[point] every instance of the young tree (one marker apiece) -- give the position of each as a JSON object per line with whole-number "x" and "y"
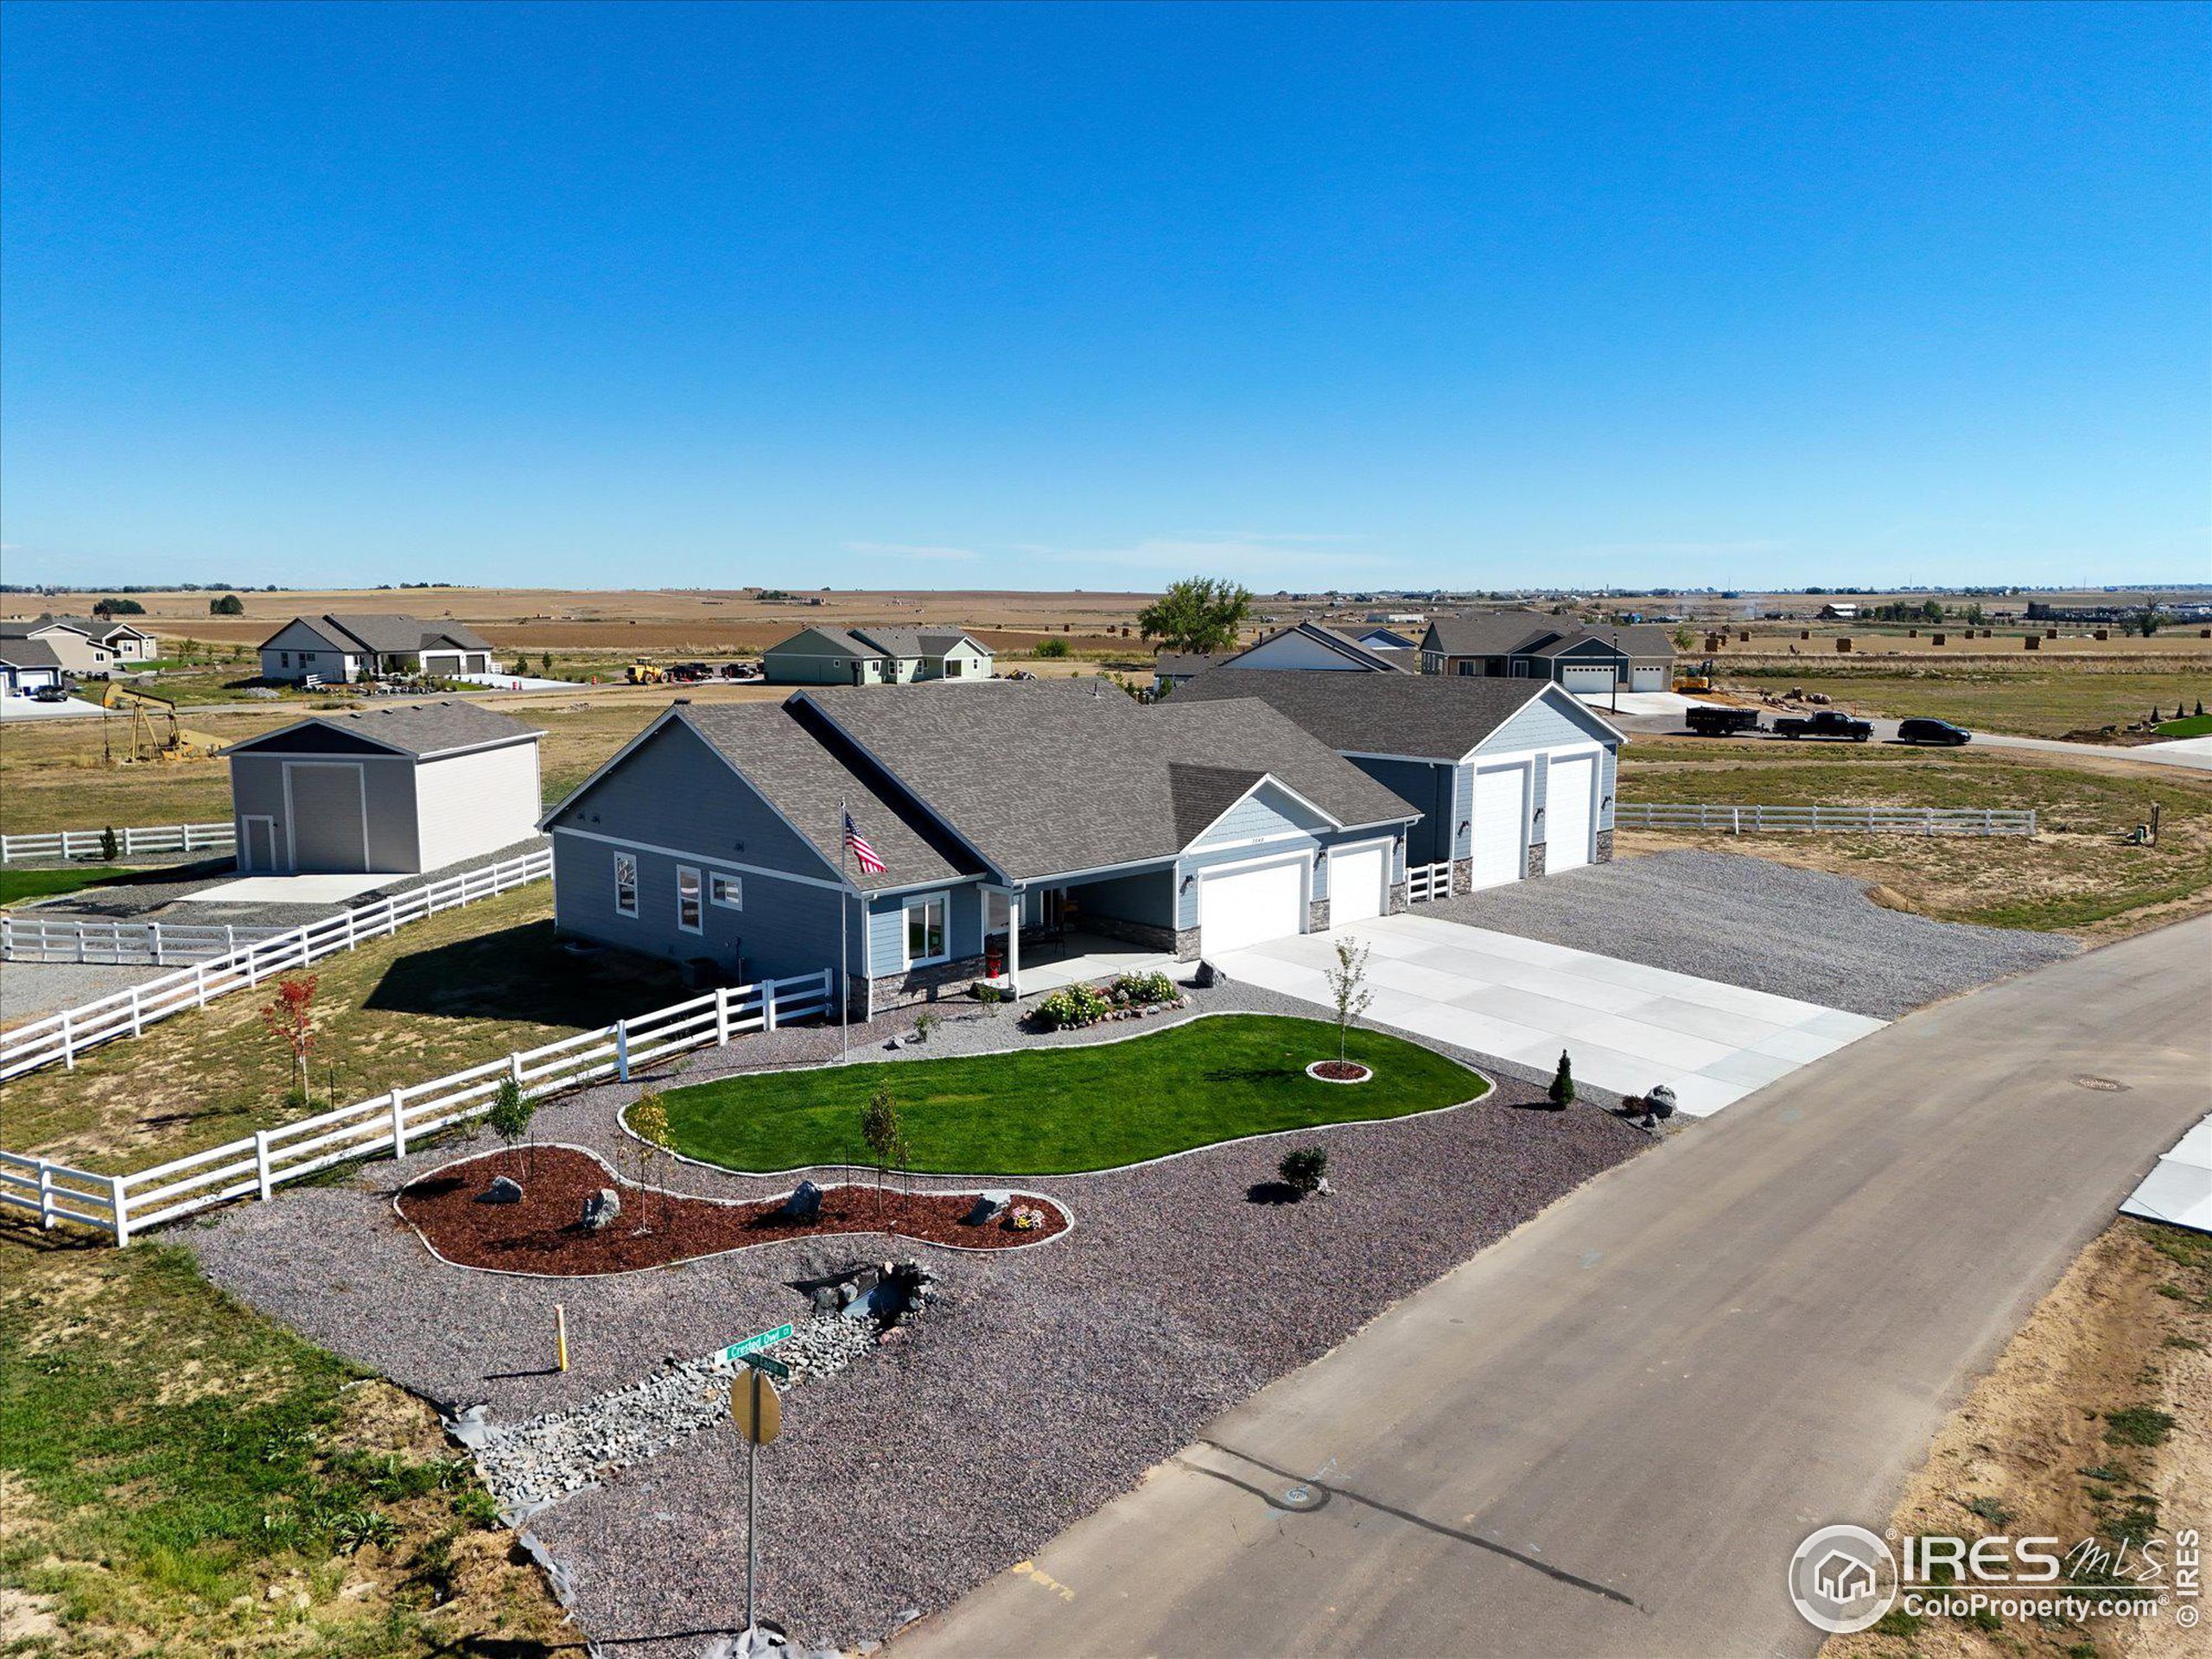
{"x": 1683, "y": 639}
{"x": 2147, "y": 620}
{"x": 512, "y": 1116}
{"x": 1199, "y": 614}
{"x": 289, "y": 1017}
{"x": 228, "y": 605}
{"x": 880, "y": 1128}
{"x": 1561, "y": 1092}
{"x": 1348, "y": 985}
{"x": 545, "y": 663}
{"x": 110, "y": 850}
{"x": 648, "y": 1118}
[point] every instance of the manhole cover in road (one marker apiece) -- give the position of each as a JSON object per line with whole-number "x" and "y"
{"x": 2110, "y": 1085}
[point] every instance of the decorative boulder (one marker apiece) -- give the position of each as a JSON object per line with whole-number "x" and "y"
{"x": 804, "y": 1204}
{"x": 602, "y": 1207}
{"x": 502, "y": 1190}
{"x": 989, "y": 1206}
{"x": 1203, "y": 977}
{"x": 1659, "y": 1102}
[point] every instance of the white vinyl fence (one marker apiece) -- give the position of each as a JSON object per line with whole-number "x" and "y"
{"x": 96, "y": 939}
{"x": 124, "y": 1205}
{"x": 141, "y": 838}
{"x": 1883, "y": 820}
{"x": 1426, "y": 883}
{"x": 65, "y": 1035}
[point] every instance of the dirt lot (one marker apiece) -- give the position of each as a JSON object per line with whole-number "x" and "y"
{"x": 2095, "y": 1421}
{"x": 2076, "y": 875}
{"x": 2039, "y": 697}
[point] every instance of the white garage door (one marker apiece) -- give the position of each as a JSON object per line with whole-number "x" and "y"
{"x": 1587, "y": 682}
{"x": 1356, "y": 881}
{"x": 1246, "y": 907}
{"x": 1647, "y": 679}
{"x": 1569, "y": 793}
{"x": 1501, "y": 809}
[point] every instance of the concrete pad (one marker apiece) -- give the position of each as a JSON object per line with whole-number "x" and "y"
{"x": 1627, "y": 1026}
{"x": 289, "y": 890}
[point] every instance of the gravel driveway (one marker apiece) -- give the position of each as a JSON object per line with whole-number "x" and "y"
{"x": 1768, "y": 926}
{"x": 1043, "y": 1382}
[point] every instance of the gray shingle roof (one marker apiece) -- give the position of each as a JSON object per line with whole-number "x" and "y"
{"x": 421, "y": 729}
{"x": 28, "y": 653}
{"x": 388, "y": 635}
{"x": 910, "y": 642}
{"x": 1491, "y": 633}
{"x": 1181, "y": 664}
{"x": 17, "y": 628}
{"x": 100, "y": 628}
{"x": 1049, "y": 777}
{"x": 1436, "y": 716}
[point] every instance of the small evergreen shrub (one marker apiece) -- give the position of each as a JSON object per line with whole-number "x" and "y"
{"x": 1302, "y": 1169}
{"x": 1561, "y": 1092}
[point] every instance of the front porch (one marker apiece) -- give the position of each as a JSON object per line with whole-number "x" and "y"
{"x": 1037, "y": 939}
{"x": 1077, "y": 957}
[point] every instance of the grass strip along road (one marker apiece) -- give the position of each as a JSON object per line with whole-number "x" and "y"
{"x": 1057, "y": 1111}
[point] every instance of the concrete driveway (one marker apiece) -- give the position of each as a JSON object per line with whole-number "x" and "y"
{"x": 1628, "y": 1026}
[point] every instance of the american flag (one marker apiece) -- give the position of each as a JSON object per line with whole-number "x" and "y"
{"x": 857, "y": 842}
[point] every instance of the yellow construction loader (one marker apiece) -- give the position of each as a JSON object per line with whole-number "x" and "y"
{"x": 1700, "y": 678}
{"x": 645, "y": 674}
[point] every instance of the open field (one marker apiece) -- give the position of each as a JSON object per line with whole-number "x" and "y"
{"x": 2042, "y": 698}
{"x": 1045, "y": 1111}
{"x": 2095, "y": 1421}
{"x": 467, "y": 985}
{"x": 2075, "y": 876}
{"x": 179, "y": 1475}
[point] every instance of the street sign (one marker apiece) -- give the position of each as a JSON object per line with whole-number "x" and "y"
{"x": 738, "y": 1350}
{"x": 774, "y": 1368}
{"x": 755, "y": 1408}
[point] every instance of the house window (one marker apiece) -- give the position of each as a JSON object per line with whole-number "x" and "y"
{"x": 726, "y": 892}
{"x": 284, "y": 659}
{"x": 1465, "y": 666}
{"x": 686, "y": 898}
{"x": 626, "y": 884}
{"x": 926, "y": 934}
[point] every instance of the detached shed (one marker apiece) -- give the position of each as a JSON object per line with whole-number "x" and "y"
{"x": 383, "y": 790}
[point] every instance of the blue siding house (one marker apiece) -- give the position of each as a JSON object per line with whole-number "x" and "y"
{"x": 1046, "y": 823}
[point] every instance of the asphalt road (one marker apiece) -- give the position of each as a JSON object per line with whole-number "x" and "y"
{"x": 1607, "y": 1433}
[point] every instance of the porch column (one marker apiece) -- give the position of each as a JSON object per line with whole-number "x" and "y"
{"x": 1013, "y": 941}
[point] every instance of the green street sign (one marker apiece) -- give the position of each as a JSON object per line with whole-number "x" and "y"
{"x": 775, "y": 1368}
{"x": 754, "y": 1344}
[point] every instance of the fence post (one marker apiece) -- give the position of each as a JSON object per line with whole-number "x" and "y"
{"x": 119, "y": 1204}
{"x": 721, "y": 1016}
{"x": 349, "y": 929}
{"x": 514, "y": 1067}
{"x": 399, "y": 1123}
{"x": 45, "y": 1195}
{"x": 68, "y": 1043}
{"x": 200, "y": 985}
{"x": 188, "y": 835}
{"x": 1735, "y": 820}
{"x": 261, "y": 1163}
{"x": 622, "y": 1050}
{"x": 137, "y": 1014}
{"x": 767, "y": 1005}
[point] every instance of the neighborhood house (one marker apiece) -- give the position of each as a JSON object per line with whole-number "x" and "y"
{"x": 27, "y": 665}
{"x": 380, "y": 791}
{"x": 1009, "y": 832}
{"x": 332, "y": 650}
{"x": 75, "y": 650}
{"x": 1521, "y": 644}
{"x": 876, "y": 657}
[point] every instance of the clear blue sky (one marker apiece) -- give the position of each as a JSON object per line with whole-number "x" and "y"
{"x": 1057, "y": 296}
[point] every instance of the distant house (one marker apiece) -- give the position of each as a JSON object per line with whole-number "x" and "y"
{"x": 873, "y": 655}
{"x": 1842, "y": 611}
{"x": 1001, "y": 819}
{"x": 27, "y": 665}
{"x": 384, "y": 790}
{"x": 127, "y": 643}
{"x": 333, "y": 649}
{"x": 1513, "y": 778}
{"x": 74, "y": 648}
{"x": 1525, "y": 646}
{"x": 1173, "y": 668}
{"x": 1387, "y": 638}
{"x": 1311, "y": 645}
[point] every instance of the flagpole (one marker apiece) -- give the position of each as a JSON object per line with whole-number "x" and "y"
{"x": 844, "y": 942}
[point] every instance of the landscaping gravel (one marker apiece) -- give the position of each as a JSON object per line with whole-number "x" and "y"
{"x": 1043, "y": 1382}
{"x": 1755, "y": 923}
{"x": 31, "y": 991}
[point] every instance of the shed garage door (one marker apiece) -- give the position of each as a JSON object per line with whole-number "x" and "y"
{"x": 1243, "y": 907}
{"x": 1587, "y": 682}
{"x": 1647, "y": 679}
{"x": 329, "y": 829}
{"x": 1356, "y": 883}
{"x": 1501, "y": 812}
{"x": 1568, "y": 796}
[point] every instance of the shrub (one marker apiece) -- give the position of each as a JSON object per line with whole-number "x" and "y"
{"x": 2137, "y": 1425}
{"x": 109, "y": 846}
{"x": 1072, "y": 1006}
{"x": 1055, "y": 648}
{"x": 1303, "y": 1168}
{"x": 1144, "y": 987}
{"x": 1561, "y": 1092}
{"x": 925, "y": 1024}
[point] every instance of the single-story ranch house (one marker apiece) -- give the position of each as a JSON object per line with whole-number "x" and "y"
{"x": 875, "y": 655}
{"x": 74, "y": 649}
{"x": 27, "y": 665}
{"x": 1010, "y": 820}
{"x": 384, "y": 790}
{"x": 1513, "y": 778}
{"x": 337, "y": 649}
{"x": 1522, "y": 644}
{"x": 129, "y": 644}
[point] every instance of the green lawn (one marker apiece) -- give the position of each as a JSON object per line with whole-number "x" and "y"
{"x": 1055, "y": 1111}
{"x": 2193, "y": 726}
{"x": 15, "y": 886}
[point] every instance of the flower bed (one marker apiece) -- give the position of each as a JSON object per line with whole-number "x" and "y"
{"x": 544, "y": 1233}
{"x": 1132, "y": 996}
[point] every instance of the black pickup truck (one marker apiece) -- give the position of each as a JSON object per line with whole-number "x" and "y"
{"x": 1718, "y": 720}
{"x": 1823, "y": 722}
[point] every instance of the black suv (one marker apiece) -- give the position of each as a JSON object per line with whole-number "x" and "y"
{"x": 1933, "y": 731}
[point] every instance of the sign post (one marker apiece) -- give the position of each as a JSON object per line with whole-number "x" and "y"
{"x": 758, "y": 1411}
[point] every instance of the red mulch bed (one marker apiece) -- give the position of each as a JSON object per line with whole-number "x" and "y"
{"x": 1341, "y": 1071}
{"x": 545, "y": 1234}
